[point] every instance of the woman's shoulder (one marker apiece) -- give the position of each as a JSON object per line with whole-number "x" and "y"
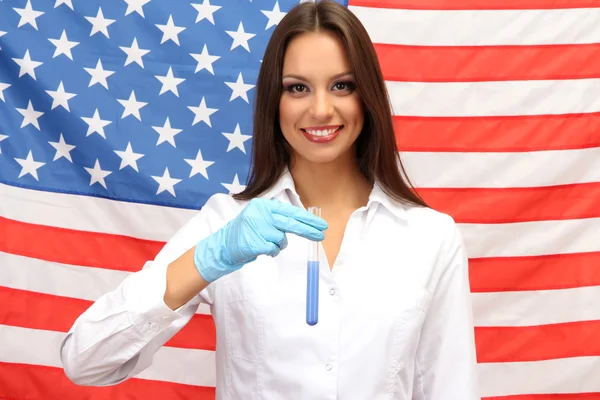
{"x": 437, "y": 227}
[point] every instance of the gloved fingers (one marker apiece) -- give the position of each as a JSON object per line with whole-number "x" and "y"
{"x": 297, "y": 213}
{"x": 288, "y": 224}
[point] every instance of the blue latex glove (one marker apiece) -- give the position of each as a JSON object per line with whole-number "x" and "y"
{"x": 259, "y": 229}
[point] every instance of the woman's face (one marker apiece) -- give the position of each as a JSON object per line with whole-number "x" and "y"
{"x": 320, "y": 112}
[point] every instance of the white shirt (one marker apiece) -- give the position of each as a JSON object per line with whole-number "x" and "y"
{"x": 395, "y": 319}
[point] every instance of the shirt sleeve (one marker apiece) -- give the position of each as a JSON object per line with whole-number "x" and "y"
{"x": 117, "y": 337}
{"x": 446, "y": 364}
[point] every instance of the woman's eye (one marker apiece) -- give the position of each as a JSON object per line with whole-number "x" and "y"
{"x": 344, "y": 86}
{"x": 298, "y": 87}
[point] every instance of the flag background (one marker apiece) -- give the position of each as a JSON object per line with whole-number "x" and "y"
{"x": 119, "y": 118}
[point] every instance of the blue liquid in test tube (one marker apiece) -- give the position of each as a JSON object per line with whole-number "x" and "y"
{"x": 312, "y": 277}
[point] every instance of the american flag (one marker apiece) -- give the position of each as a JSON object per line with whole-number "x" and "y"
{"x": 119, "y": 118}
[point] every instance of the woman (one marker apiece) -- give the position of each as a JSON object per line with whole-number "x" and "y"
{"x": 394, "y": 310}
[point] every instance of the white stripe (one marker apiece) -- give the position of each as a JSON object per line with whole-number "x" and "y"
{"x": 480, "y": 27}
{"x": 38, "y": 347}
{"x": 472, "y": 99}
{"x": 531, "y": 238}
{"x": 500, "y": 170}
{"x": 64, "y": 280}
{"x": 91, "y": 214}
{"x": 566, "y": 375}
{"x": 531, "y": 308}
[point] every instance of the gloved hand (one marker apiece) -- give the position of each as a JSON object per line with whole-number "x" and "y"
{"x": 260, "y": 228}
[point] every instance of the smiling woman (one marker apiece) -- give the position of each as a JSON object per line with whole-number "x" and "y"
{"x": 387, "y": 275}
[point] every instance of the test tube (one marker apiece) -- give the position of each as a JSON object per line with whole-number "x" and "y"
{"x": 312, "y": 277}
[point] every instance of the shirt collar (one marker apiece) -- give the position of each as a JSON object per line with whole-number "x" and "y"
{"x": 377, "y": 196}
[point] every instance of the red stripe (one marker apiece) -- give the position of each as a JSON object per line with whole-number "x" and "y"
{"x": 35, "y": 310}
{"x": 537, "y": 343}
{"x": 488, "y": 63}
{"x": 26, "y": 382}
{"x": 560, "y": 271}
{"x": 505, "y": 205}
{"x": 475, "y": 4}
{"x": 498, "y": 134}
{"x": 561, "y": 396}
{"x": 68, "y": 246}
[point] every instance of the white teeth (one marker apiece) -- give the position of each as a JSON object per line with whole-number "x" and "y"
{"x": 321, "y": 132}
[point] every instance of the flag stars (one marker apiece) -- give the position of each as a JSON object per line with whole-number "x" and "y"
{"x": 205, "y": 60}
{"x": 96, "y": 124}
{"x": 274, "y": 16}
{"x": 239, "y": 89}
{"x": 100, "y": 24}
{"x": 169, "y": 82}
{"x": 99, "y": 74}
{"x": 28, "y": 15}
{"x": 170, "y": 31}
{"x": 202, "y": 113}
{"x": 30, "y": 116}
{"x": 60, "y": 97}
{"x": 166, "y": 133}
{"x": 199, "y": 165}
{"x": 129, "y": 158}
{"x": 3, "y": 87}
{"x": 132, "y": 106}
{"x": 134, "y": 53}
{"x": 29, "y": 166}
{"x": 68, "y": 3}
{"x": 62, "y": 149}
{"x": 240, "y": 38}
{"x": 63, "y": 46}
{"x": 137, "y": 6}
{"x": 166, "y": 183}
{"x": 235, "y": 186}
{"x": 206, "y": 11}
{"x": 97, "y": 174}
{"x": 2, "y": 137}
{"x": 236, "y": 139}
{"x": 27, "y": 65}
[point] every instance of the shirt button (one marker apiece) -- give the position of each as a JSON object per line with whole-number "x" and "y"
{"x": 332, "y": 291}
{"x": 328, "y": 367}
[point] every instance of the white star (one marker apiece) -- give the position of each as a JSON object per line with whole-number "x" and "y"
{"x": 165, "y": 182}
{"x": 132, "y": 106}
{"x": 199, "y": 166}
{"x": 166, "y": 133}
{"x": 234, "y": 187}
{"x": 96, "y": 124}
{"x": 205, "y": 10}
{"x": 2, "y": 33}
{"x": 99, "y": 74}
{"x": 129, "y": 158}
{"x": 69, "y": 3}
{"x": 205, "y": 60}
{"x": 202, "y": 113}
{"x": 97, "y": 175}
{"x": 170, "y": 31}
{"x": 169, "y": 82}
{"x": 30, "y": 116}
{"x": 3, "y": 87}
{"x": 100, "y": 24}
{"x": 274, "y": 16}
{"x": 62, "y": 149}
{"x": 63, "y": 46}
{"x": 236, "y": 139}
{"x": 134, "y": 53}
{"x": 28, "y": 15}
{"x": 27, "y": 65}
{"x": 240, "y": 38}
{"x": 239, "y": 89}
{"x": 29, "y": 166}
{"x": 2, "y": 137}
{"x": 60, "y": 97}
{"x": 136, "y": 5}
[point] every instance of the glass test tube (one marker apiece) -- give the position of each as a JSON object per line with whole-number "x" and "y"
{"x": 312, "y": 277}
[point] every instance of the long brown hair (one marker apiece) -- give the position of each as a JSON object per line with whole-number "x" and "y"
{"x": 376, "y": 148}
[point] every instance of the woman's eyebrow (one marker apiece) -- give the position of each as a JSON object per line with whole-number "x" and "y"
{"x": 302, "y": 78}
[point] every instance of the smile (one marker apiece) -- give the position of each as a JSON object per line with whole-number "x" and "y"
{"x": 322, "y": 134}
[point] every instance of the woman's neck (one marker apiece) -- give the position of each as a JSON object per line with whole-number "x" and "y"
{"x": 336, "y": 185}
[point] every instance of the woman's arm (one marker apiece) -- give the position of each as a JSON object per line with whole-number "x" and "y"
{"x": 446, "y": 366}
